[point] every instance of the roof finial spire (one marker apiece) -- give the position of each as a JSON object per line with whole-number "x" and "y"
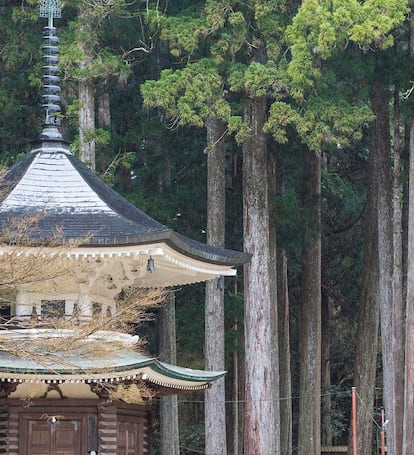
{"x": 50, "y": 9}
{"x": 51, "y": 89}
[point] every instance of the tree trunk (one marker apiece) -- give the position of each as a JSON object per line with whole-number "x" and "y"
{"x": 408, "y": 432}
{"x": 236, "y": 428}
{"x": 87, "y": 123}
{"x": 326, "y": 333}
{"x": 262, "y": 433}
{"x": 215, "y": 410}
{"x": 408, "y": 429}
{"x": 169, "y": 432}
{"x": 391, "y": 340}
{"x": 397, "y": 277}
{"x": 310, "y": 321}
{"x": 326, "y": 429}
{"x": 368, "y": 323}
{"x": 284, "y": 355}
{"x": 104, "y": 107}
{"x": 281, "y": 297}
{"x": 86, "y": 95}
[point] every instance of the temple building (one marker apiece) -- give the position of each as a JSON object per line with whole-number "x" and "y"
{"x": 89, "y": 395}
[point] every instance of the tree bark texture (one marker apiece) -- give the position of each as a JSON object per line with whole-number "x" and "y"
{"x": 262, "y": 433}
{"x": 368, "y": 324}
{"x": 408, "y": 429}
{"x": 169, "y": 431}
{"x": 281, "y": 360}
{"x": 87, "y": 144}
{"x": 391, "y": 341}
{"x": 285, "y": 377}
{"x": 326, "y": 421}
{"x": 310, "y": 320}
{"x": 408, "y": 438}
{"x": 283, "y": 323}
{"x": 86, "y": 95}
{"x": 104, "y": 107}
{"x": 215, "y": 406}
{"x": 397, "y": 275}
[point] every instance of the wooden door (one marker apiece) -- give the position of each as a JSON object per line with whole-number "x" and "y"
{"x": 129, "y": 438}
{"x": 60, "y": 438}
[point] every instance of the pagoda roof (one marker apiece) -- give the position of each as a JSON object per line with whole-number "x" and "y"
{"x": 71, "y": 201}
{"x": 95, "y": 360}
{"x": 71, "y": 205}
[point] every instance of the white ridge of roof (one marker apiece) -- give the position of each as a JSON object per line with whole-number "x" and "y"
{"x": 51, "y": 182}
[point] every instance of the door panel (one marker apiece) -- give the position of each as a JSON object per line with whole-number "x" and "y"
{"x": 60, "y": 438}
{"x": 128, "y": 439}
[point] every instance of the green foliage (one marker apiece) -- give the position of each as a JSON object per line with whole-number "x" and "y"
{"x": 20, "y": 38}
{"x": 241, "y": 130}
{"x": 258, "y": 79}
{"x": 183, "y": 35}
{"x": 327, "y": 121}
{"x": 84, "y": 61}
{"x": 188, "y": 96}
{"x": 192, "y": 439}
{"x": 281, "y": 115}
{"x": 98, "y": 135}
{"x": 321, "y": 29}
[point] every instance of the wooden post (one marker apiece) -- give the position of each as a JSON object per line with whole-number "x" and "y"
{"x": 169, "y": 428}
{"x": 354, "y": 420}
{"x": 382, "y": 433}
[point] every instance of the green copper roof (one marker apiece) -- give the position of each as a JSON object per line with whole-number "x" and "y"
{"x": 94, "y": 361}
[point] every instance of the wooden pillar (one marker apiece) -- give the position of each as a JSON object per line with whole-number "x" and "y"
{"x": 169, "y": 405}
{"x": 107, "y": 430}
{"x": 4, "y": 418}
{"x": 13, "y": 432}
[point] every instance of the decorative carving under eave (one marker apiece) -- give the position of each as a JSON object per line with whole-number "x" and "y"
{"x": 101, "y": 391}
{"x": 55, "y": 388}
{"x": 6, "y": 388}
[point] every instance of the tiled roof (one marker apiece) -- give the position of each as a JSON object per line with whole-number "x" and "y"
{"x": 76, "y": 204}
{"x": 94, "y": 361}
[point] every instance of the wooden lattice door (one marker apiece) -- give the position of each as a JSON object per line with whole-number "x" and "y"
{"x": 62, "y": 437}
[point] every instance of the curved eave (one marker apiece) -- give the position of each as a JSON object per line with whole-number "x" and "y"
{"x": 126, "y": 265}
{"x": 180, "y": 243}
{"x": 149, "y": 370}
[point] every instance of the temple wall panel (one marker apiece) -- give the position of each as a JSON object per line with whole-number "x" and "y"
{"x": 4, "y": 417}
{"x": 13, "y": 432}
{"x": 107, "y": 430}
{"x": 114, "y": 428}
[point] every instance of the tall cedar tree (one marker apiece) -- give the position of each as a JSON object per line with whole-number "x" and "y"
{"x": 316, "y": 34}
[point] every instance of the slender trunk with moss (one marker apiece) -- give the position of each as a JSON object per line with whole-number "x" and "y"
{"x": 86, "y": 95}
{"x": 215, "y": 410}
{"x": 87, "y": 123}
{"x": 368, "y": 323}
{"x": 326, "y": 421}
{"x": 391, "y": 336}
{"x": 284, "y": 354}
{"x": 280, "y": 295}
{"x": 104, "y": 107}
{"x": 169, "y": 432}
{"x": 408, "y": 429}
{"x": 310, "y": 320}
{"x": 397, "y": 274}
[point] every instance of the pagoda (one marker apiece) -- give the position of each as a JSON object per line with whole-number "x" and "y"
{"x": 76, "y": 401}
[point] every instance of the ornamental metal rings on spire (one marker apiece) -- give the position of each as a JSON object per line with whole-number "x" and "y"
{"x": 50, "y": 8}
